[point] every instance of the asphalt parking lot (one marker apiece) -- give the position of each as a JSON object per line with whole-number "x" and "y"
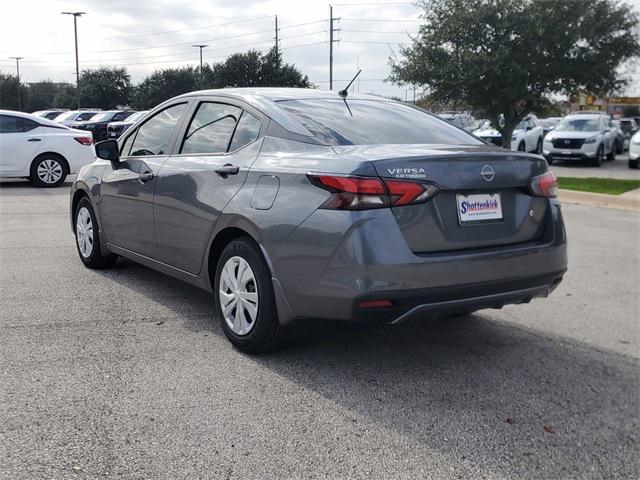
{"x": 126, "y": 374}
{"x": 619, "y": 169}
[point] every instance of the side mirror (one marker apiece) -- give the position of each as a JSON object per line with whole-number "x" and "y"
{"x": 108, "y": 150}
{"x": 529, "y": 127}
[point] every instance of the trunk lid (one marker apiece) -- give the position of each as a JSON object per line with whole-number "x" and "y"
{"x": 465, "y": 174}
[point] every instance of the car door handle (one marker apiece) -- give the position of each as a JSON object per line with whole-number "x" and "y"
{"x": 227, "y": 169}
{"x": 34, "y": 140}
{"x": 145, "y": 177}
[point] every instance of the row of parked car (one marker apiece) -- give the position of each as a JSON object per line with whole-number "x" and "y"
{"x": 47, "y": 146}
{"x": 101, "y": 124}
{"x": 585, "y": 136}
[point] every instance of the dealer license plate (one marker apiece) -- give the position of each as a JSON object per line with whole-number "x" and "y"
{"x": 479, "y": 208}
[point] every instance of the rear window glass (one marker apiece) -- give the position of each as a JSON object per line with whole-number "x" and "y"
{"x": 366, "y": 122}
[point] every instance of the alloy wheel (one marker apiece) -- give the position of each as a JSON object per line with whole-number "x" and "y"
{"x": 84, "y": 232}
{"x": 49, "y": 171}
{"x": 238, "y": 295}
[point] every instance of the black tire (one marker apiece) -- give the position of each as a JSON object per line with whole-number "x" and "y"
{"x": 619, "y": 147}
{"x": 56, "y": 167}
{"x": 539, "y": 146}
{"x": 265, "y": 332}
{"x": 612, "y": 155}
{"x": 597, "y": 162}
{"x": 634, "y": 163}
{"x": 522, "y": 147}
{"x": 95, "y": 259}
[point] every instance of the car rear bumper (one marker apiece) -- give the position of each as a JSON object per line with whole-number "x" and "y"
{"x": 327, "y": 274}
{"x": 455, "y": 300}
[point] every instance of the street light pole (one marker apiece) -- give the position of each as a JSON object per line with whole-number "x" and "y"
{"x": 201, "y": 47}
{"x": 17, "y": 59}
{"x": 75, "y": 33}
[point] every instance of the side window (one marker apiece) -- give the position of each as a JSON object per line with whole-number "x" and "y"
{"x": 11, "y": 124}
{"x": 126, "y": 146}
{"x": 119, "y": 117}
{"x": 246, "y": 132}
{"x": 154, "y": 135}
{"x": 8, "y": 124}
{"x": 211, "y": 128}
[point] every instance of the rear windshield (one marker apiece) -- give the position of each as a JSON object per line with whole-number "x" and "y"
{"x": 100, "y": 117}
{"x": 85, "y": 116}
{"x": 66, "y": 116}
{"x": 373, "y": 122}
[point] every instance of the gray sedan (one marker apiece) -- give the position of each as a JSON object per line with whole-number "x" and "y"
{"x": 291, "y": 203}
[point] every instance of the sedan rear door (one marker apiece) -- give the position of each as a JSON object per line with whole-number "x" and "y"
{"x": 216, "y": 148}
{"x": 20, "y": 139}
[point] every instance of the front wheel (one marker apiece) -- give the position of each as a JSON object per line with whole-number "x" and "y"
{"x": 634, "y": 163}
{"x": 48, "y": 171}
{"x": 88, "y": 237}
{"x": 245, "y": 299}
{"x": 597, "y": 162}
{"x": 522, "y": 147}
{"x": 612, "y": 154}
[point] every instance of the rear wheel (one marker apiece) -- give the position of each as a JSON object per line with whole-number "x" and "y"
{"x": 88, "y": 237}
{"x": 597, "y": 162}
{"x": 245, "y": 299}
{"x": 48, "y": 170}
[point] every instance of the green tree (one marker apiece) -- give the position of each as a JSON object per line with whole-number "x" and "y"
{"x": 66, "y": 97}
{"x": 275, "y": 73}
{"x": 42, "y": 95}
{"x": 164, "y": 84}
{"x": 105, "y": 87}
{"x": 9, "y": 92}
{"x": 507, "y": 56}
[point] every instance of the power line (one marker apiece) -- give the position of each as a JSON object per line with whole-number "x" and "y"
{"x": 386, "y": 20}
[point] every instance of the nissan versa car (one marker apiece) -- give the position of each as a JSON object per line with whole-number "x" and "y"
{"x": 588, "y": 137}
{"x": 291, "y": 204}
{"x": 41, "y": 150}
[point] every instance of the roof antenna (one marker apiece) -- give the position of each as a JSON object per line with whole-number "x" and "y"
{"x": 345, "y": 92}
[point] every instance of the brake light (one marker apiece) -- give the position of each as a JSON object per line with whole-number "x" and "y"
{"x": 84, "y": 140}
{"x": 363, "y": 193}
{"x": 545, "y": 185}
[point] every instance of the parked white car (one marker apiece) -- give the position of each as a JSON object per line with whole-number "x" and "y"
{"x": 582, "y": 136}
{"x": 527, "y": 136}
{"x": 40, "y": 149}
{"x": 49, "y": 114}
{"x": 634, "y": 150}
{"x": 67, "y": 118}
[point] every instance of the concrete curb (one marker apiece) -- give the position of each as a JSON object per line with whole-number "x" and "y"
{"x": 629, "y": 202}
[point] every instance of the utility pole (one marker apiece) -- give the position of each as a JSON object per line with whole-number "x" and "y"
{"x": 17, "y": 59}
{"x": 277, "y": 47}
{"x": 331, "y": 42}
{"x": 200, "y": 47}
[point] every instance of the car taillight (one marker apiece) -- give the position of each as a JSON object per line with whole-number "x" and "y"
{"x": 545, "y": 185}
{"x": 363, "y": 193}
{"x": 83, "y": 140}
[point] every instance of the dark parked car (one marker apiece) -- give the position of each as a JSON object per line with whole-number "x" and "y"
{"x": 115, "y": 129}
{"x": 97, "y": 124}
{"x": 291, "y": 204}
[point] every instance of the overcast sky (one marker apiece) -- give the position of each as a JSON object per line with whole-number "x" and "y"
{"x": 145, "y": 35}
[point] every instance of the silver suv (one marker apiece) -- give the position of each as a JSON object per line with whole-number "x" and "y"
{"x": 581, "y": 136}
